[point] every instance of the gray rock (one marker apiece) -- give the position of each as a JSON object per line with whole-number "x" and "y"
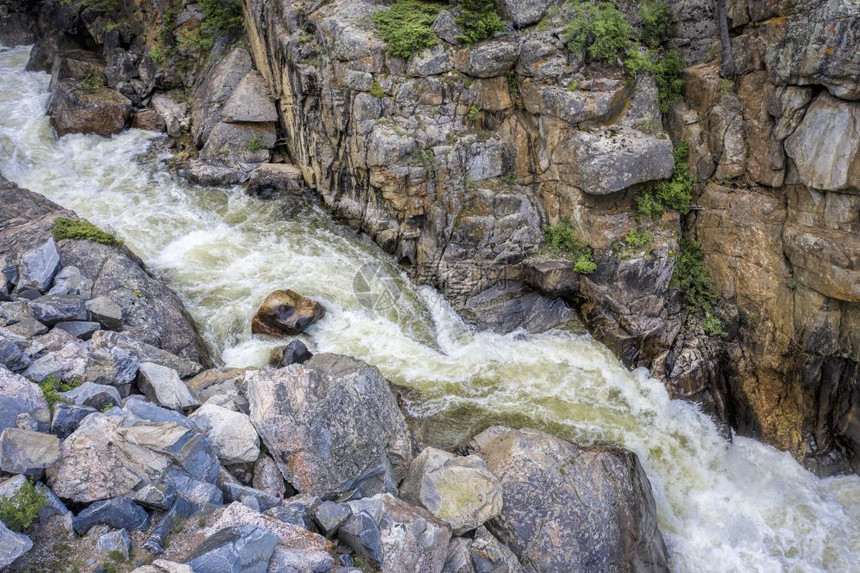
{"x": 144, "y": 352}
{"x": 39, "y": 266}
{"x": 608, "y": 517}
{"x": 73, "y": 109}
{"x": 835, "y": 166}
{"x": 250, "y": 102}
{"x": 458, "y": 559}
{"x": 270, "y": 179}
{"x": 114, "y": 367}
{"x": 79, "y": 329}
{"x": 232, "y": 433}
{"x": 216, "y": 89}
{"x": 18, "y": 396}
{"x": 28, "y": 328}
{"x": 289, "y": 535}
{"x": 11, "y": 356}
{"x": 456, "y": 489}
{"x": 16, "y": 311}
{"x": 332, "y": 426}
{"x": 48, "y": 366}
{"x": 55, "y": 506}
{"x": 508, "y": 306}
{"x": 91, "y": 395}
{"x": 220, "y": 383}
{"x": 12, "y": 546}
{"x": 27, "y": 452}
{"x": 293, "y": 353}
{"x": 297, "y": 510}
{"x": 173, "y": 112}
{"x": 492, "y": 58}
{"x": 214, "y": 175}
{"x": 260, "y": 500}
{"x": 239, "y": 145}
{"x": 447, "y": 28}
{"x": 268, "y": 478}
{"x": 53, "y": 308}
{"x": 181, "y": 510}
{"x": 297, "y": 561}
{"x": 70, "y": 281}
{"x": 523, "y": 12}
{"x": 329, "y": 516}
{"x": 239, "y": 549}
{"x": 67, "y": 418}
{"x": 118, "y": 513}
{"x": 115, "y": 541}
{"x": 395, "y": 536}
{"x": 163, "y": 386}
{"x": 430, "y": 62}
{"x": 488, "y": 555}
{"x": 106, "y": 312}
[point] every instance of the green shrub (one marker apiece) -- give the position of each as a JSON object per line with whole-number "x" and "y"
{"x": 713, "y": 326}
{"x": 474, "y": 110}
{"x": 585, "y": 264}
{"x": 656, "y": 20}
{"x": 561, "y": 236}
{"x": 91, "y": 82}
{"x": 480, "y": 20}
{"x": 52, "y": 386}
{"x": 156, "y": 54}
{"x": 673, "y": 193}
{"x": 667, "y": 73}
{"x": 80, "y": 230}
{"x": 691, "y": 277}
{"x": 634, "y": 240}
{"x": 376, "y": 90}
{"x": 221, "y": 17}
{"x": 405, "y": 26}
{"x": 20, "y": 511}
{"x": 598, "y": 28}
{"x": 255, "y": 144}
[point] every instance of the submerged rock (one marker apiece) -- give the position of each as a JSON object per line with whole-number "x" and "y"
{"x": 285, "y": 312}
{"x": 571, "y": 508}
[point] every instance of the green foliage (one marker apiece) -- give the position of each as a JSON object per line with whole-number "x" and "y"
{"x": 193, "y": 42}
{"x": 656, "y": 20}
{"x": 666, "y": 69}
{"x": 376, "y": 90}
{"x": 255, "y": 144}
{"x": 585, "y": 264}
{"x": 52, "y": 386}
{"x": 562, "y": 238}
{"x": 691, "y": 277}
{"x": 634, "y": 240}
{"x": 221, "y": 17}
{"x": 91, "y": 82}
{"x": 116, "y": 556}
{"x": 20, "y": 511}
{"x": 112, "y": 7}
{"x": 713, "y": 326}
{"x": 726, "y": 86}
{"x": 405, "y": 26}
{"x": 470, "y": 182}
{"x": 480, "y": 20}
{"x": 573, "y": 86}
{"x": 156, "y": 54}
{"x": 80, "y": 230}
{"x": 673, "y": 193}
{"x": 474, "y": 110}
{"x": 598, "y": 28}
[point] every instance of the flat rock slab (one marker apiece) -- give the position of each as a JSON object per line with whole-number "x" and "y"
{"x": 27, "y": 452}
{"x": 163, "y": 386}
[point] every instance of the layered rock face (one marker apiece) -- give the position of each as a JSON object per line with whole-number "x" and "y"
{"x": 454, "y": 159}
{"x": 777, "y": 155}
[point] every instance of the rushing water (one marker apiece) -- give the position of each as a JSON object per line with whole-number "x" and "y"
{"x": 738, "y": 506}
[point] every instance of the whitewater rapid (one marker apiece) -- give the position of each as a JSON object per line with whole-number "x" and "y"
{"x": 722, "y": 506}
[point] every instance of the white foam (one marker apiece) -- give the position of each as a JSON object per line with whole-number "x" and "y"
{"x": 722, "y": 507}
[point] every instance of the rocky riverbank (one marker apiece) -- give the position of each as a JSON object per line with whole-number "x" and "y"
{"x": 145, "y": 460}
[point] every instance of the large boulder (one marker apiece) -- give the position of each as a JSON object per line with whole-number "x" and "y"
{"x": 395, "y": 536}
{"x": 523, "y": 12}
{"x": 457, "y": 489}
{"x": 568, "y": 508}
{"x": 75, "y": 109}
{"x": 332, "y": 425}
{"x": 285, "y": 313}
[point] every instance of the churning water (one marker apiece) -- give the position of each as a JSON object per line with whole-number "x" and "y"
{"x": 723, "y": 506}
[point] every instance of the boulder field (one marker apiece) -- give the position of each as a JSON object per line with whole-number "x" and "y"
{"x": 120, "y": 448}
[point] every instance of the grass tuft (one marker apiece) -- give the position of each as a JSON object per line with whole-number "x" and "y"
{"x": 81, "y": 230}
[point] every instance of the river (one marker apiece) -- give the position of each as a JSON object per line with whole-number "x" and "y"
{"x": 739, "y": 506}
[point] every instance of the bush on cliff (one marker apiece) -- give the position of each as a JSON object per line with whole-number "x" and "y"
{"x": 20, "y": 511}
{"x": 598, "y": 28}
{"x": 80, "y": 230}
{"x": 673, "y": 193}
{"x": 480, "y": 20}
{"x": 561, "y": 239}
{"x": 405, "y": 26}
{"x": 656, "y": 18}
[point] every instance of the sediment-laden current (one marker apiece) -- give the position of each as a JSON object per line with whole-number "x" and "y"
{"x": 723, "y": 506}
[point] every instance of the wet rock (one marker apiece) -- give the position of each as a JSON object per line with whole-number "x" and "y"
{"x": 106, "y": 340}
{"x": 39, "y": 266}
{"x": 67, "y": 418}
{"x": 79, "y": 329}
{"x": 115, "y": 542}
{"x": 106, "y": 312}
{"x": 148, "y": 119}
{"x": 456, "y": 489}
{"x": 267, "y": 476}
{"x": 285, "y": 312}
{"x": 395, "y": 536}
{"x": 18, "y": 396}
{"x": 27, "y": 452}
{"x": 332, "y": 426}
{"x": 118, "y": 513}
{"x": 509, "y": 306}
{"x": 231, "y": 432}
{"x": 73, "y": 109}
{"x": 250, "y": 102}
{"x": 269, "y": 179}
{"x": 240, "y": 549}
{"x": 163, "y": 386}
{"x": 523, "y": 13}
{"x": 91, "y": 395}
{"x": 12, "y": 545}
{"x": 293, "y": 353}
{"x": 608, "y": 517}
{"x": 835, "y": 166}
{"x": 330, "y": 515}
